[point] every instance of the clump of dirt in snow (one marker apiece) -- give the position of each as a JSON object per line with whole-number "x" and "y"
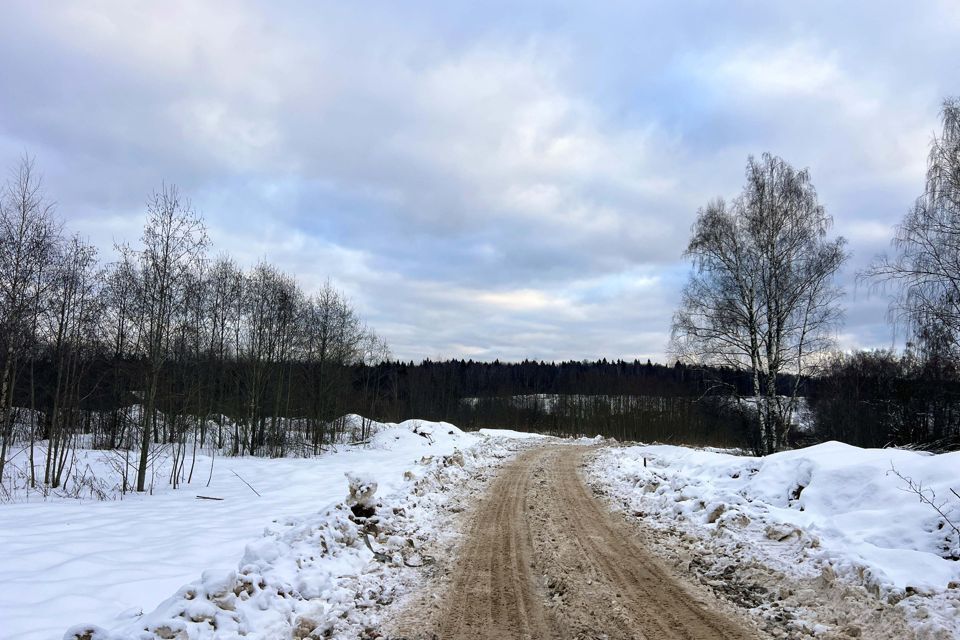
{"x": 360, "y": 497}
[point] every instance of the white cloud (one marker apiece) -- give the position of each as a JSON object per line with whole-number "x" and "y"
{"x": 784, "y": 69}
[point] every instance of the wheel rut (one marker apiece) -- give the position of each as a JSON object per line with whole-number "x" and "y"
{"x": 543, "y": 558}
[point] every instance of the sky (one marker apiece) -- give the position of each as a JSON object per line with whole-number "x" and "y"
{"x": 483, "y": 180}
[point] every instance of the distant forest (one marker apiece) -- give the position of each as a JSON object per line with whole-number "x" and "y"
{"x": 870, "y": 399}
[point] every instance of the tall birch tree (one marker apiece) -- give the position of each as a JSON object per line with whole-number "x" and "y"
{"x": 761, "y": 296}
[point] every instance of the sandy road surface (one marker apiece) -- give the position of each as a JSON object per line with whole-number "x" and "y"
{"x": 544, "y": 559}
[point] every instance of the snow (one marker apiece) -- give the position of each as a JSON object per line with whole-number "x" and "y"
{"x": 295, "y": 559}
{"x": 801, "y": 417}
{"x": 510, "y": 433}
{"x": 103, "y": 563}
{"x": 362, "y": 488}
{"x": 831, "y": 509}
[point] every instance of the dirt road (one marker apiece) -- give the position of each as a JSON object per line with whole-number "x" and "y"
{"x": 543, "y": 558}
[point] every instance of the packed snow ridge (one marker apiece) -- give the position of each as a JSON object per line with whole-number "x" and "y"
{"x": 833, "y": 512}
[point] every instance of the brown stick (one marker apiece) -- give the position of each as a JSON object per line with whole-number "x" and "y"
{"x": 246, "y": 483}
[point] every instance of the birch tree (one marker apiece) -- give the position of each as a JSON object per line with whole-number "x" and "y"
{"x": 761, "y": 296}
{"x": 28, "y": 236}
{"x": 925, "y": 268}
{"x": 75, "y": 319}
{"x": 173, "y": 243}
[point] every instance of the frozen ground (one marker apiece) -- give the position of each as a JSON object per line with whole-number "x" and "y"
{"x": 818, "y": 542}
{"x": 247, "y": 563}
{"x": 823, "y": 541}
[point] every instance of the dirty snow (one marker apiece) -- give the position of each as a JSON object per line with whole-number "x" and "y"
{"x": 832, "y": 513}
{"x": 288, "y": 559}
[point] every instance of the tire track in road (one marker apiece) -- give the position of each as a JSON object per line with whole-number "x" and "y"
{"x": 493, "y": 594}
{"x": 644, "y": 598}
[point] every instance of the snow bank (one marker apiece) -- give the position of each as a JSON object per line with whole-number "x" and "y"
{"x": 832, "y": 510}
{"x": 510, "y": 433}
{"x": 525, "y": 435}
{"x": 107, "y": 562}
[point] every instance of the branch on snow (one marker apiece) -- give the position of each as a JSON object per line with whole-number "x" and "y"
{"x": 927, "y": 496}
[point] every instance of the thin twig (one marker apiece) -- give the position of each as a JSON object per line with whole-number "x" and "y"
{"x": 245, "y": 482}
{"x": 917, "y": 488}
{"x": 213, "y": 456}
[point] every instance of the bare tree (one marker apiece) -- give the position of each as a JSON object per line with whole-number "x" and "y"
{"x": 761, "y": 296}
{"x": 271, "y": 307}
{"x": 926, "y": 266}
{"x": 75, "y": 317}
{"x": 333, "y": 339}
{"x": 28, "y": 234}
{"x": 174, "y": 240}
{"x": 376, "y": 351}
{"x": 226, "y": 284}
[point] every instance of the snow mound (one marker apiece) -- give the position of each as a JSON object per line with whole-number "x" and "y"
{"x": 362, "y": 488}
{"x": 107, "y": 561}
{"x": 510, "y": 433}
{"x": 419, "y": 433}
{"x": 832, "y": 510}
{"x": 330, "y": 573}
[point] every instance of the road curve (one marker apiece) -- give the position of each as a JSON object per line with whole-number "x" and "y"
{"x": 544, "y": 559}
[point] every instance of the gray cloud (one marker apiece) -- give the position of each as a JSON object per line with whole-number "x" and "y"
{"x": 496, "y": 181}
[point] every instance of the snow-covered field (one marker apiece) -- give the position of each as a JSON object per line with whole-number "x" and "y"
{"x": 832, "y": 514}
{"x": 825, "y": 541}
{"x": 261, "y": 564}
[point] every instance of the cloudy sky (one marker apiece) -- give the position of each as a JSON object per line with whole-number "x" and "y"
{"x": 483, "y": 179}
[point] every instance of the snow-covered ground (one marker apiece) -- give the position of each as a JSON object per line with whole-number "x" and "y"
{"x": 832, "y": 513}
{"x": 824, "y": 541}
{"x": 510, "y": 433}
{"x": 257, "y": 563}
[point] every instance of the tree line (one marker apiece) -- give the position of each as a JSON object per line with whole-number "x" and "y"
{"x": 628, "y": 400}
{"x": 168, "y": 344}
